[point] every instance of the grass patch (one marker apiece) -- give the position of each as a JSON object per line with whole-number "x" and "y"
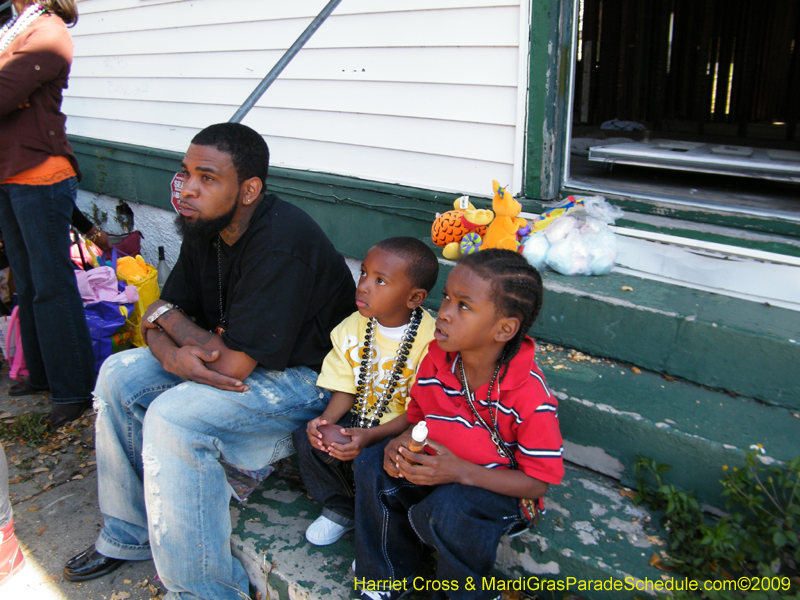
{"x": 29, "y": 428}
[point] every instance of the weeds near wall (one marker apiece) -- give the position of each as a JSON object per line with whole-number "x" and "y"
{"x": 758, "y": 539}
{"x": 99, "y": 217}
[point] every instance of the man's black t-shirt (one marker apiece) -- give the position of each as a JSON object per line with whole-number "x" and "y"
{"x": 284, "y": 287}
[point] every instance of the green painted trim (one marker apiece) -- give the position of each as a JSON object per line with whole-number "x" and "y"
{"x": 551, "y": 22}
{"x": 776, "y": 244}
{"x": 710, "y": 216}
{"x": 701, "y": 215}
{"x": 133, "y": 173}
{"x": 142, "y": 175}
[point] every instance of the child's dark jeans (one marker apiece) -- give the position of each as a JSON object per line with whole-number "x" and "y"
{"x": 394, "y": 517}
{"x": 328, "y": 480}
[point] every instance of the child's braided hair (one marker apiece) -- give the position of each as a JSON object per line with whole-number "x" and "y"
{"x": 516, "y": 289}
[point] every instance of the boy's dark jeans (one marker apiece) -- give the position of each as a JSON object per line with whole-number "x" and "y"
{"x": 328, "y": 480}
{"x": 394, "y": 517}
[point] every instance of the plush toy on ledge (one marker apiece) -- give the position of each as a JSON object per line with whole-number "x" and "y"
{"x": 502, "y": 232}
{"x": 459, "y": 231}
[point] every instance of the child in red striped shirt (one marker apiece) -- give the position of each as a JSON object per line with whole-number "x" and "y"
{"x": 493, "y": 439}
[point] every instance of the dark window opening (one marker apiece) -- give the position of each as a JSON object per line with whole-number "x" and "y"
{"x": 697, "y": 100}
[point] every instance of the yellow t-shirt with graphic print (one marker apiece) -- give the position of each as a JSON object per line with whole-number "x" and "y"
{"x": 342, "y": 365}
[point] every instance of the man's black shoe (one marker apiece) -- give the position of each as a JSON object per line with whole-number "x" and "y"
{"x": 24, "y": 388}
{"x": 64, "y": 413}
{"x": 90, "y": 564}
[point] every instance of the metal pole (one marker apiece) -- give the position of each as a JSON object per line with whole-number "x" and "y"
{"x": 285, "y": 60}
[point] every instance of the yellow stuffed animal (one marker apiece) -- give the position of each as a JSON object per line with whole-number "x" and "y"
{"x": 502, "y": 232}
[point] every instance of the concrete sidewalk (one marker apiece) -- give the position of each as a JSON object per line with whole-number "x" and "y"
{"x": 53, "y": 489}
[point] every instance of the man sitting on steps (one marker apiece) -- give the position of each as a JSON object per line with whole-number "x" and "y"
{"x": 235, "y": 344}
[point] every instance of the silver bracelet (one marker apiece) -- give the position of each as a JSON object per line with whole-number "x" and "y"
{"x": 160, "y": 311}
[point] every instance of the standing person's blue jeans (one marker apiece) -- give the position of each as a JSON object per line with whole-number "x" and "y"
{"x": 394, "y": 517}
{"x": 162, "y": 489}
{"x": 35, "y": 221}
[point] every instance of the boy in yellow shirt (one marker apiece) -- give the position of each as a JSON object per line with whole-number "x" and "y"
{"x": 371, "y": 368}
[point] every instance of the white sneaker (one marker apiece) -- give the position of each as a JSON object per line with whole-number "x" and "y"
{"x": 373, "y": 595}
{"x": 391, "y": 595}
{"x": 323, "y": 531}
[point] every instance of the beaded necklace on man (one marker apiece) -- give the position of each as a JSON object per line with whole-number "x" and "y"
{"x": 16, "y": 26}
{"x": 365, "y": 416}
{"x": 223, "y": 320}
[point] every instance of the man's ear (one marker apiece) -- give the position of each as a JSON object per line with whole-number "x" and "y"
{"x": 251, "y": 189}
{"x": 507, "y": 328}
{"x": 416, "y": 298}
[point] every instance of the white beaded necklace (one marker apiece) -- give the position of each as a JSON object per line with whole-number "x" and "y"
{"x": 16, "y": 26}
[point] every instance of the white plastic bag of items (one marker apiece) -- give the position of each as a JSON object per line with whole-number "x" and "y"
{"x": 576, "y": 242}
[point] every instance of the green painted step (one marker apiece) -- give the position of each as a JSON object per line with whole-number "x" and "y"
{"x": 725, "y": 343}
{"x": 609, "y": 414}
{"x": 593, "y": 542}
{"x": 590, "y": 533}
{"x": 722, "y": 342}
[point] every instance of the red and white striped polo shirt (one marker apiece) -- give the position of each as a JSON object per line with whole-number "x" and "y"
{"x": 527, "y": 415}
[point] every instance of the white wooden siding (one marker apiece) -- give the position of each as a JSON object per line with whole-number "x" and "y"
{"x": 422, "y": 93}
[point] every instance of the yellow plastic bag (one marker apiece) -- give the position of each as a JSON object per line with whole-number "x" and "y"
{"x": 147, "y": 285}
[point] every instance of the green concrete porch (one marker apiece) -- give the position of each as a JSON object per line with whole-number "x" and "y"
{"x": 610, "y": 412}
{"x": 591, "y": 533}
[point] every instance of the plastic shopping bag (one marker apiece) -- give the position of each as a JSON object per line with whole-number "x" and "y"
{"x": 109, "y": 329}
{"x": 147, "y": 284}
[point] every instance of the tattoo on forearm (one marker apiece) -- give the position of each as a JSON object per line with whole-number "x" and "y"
{"x": 184, "y": 332}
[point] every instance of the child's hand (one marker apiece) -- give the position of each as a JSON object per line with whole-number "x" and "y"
{"x": 391, "y": 456}
{"x": 360, "y": 439}
{"x": 425, "y": 469}
{"x": 314, "y": 436}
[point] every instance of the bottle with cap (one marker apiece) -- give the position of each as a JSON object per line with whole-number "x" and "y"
{"x": 162, "y": 268}
{"x": 419, "y": 435}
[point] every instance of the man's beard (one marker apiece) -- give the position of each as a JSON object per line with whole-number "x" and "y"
{"x": 203, "y": 230}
